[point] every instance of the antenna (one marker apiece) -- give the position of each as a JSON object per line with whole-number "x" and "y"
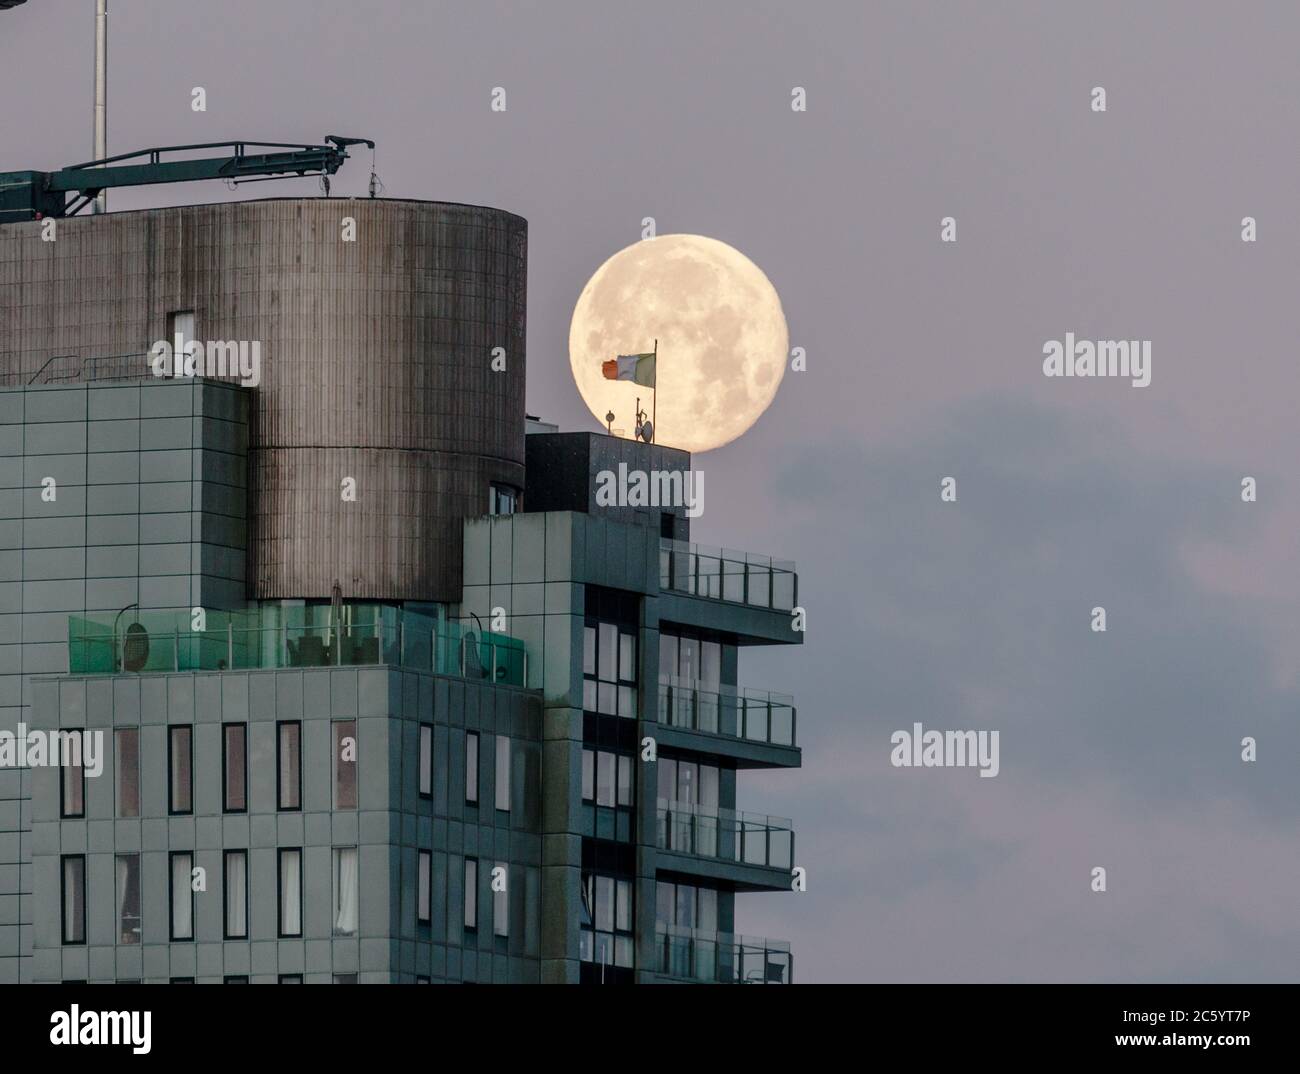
{"x": 101, "y": 94}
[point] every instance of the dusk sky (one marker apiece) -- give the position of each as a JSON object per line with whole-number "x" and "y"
{"x": 1119, "y": 749}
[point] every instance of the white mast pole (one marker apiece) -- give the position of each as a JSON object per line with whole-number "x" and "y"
{"x": 101, "y": 93}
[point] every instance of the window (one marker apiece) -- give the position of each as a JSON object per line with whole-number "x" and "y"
{"x": 688, "y": 783}
{"x": 180, "y": 980}
{"x": 182, "y": 322}
{"x": 235, "y": 978}
{"x": 236, "y": 894}
{"x": 288, "y": 763}
{"x": 687, "y": 906}
{"x": 234, "y": 766}
{"x": 471, "y": 767}
{"x": 689, "y": 792}
{"x": 606, "y": 778}
{"x": 501, "y": 901}
{"x": 609, "y": 669}
{"x": 424, "y": 887}
{"x": 686, "y": 659}
{"x": 346, "y": 889}
{"x": 503, "y": 500}
{"x": 345, "y": 764}
{"x": 289, "y": 978}
{"x": 426, "y": 760}
{"x": 503, "y": 772}
{"x": 471, "y": 893}
{"x": 693, "y": 668}
{"x": 72, "y": 777}
{"x": 126, "y": 751}
{"x": 128, "y": 898}
{"x": 180, "y": 770}
{"x": 74, "y": 898}
{"x": 605, "y": 930}
{"x": 345, "y": 978}
{"x": 290, "y": 883}
{"x": 182, "y": 895}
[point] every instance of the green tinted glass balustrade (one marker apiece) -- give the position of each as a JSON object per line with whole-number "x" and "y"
{"x": 278, "y": 636}
{"x": 755, "y": 715}
{"x": 709, "y": 832}
{"x": 725, "y": 574}
{"x": 721, "y": 958}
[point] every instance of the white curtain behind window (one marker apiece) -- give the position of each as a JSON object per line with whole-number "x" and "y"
{"x": 236, "y": 894}
{"x": 346, "y": 887}
{"x": 182, "y": 898}
{"x": 123, "y": 926}
{"x": 291, "y": 892}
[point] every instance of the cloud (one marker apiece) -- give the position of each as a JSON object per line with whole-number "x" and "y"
{"x": 1119, "y": 749}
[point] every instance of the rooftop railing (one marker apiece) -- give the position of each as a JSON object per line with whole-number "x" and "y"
{"x": 157, "y": 642}
{"x": 721, "y": 958}
{"x": 725, "y": 574}
{"x": 725, "y": 834}
{"x": 753, "y": 715}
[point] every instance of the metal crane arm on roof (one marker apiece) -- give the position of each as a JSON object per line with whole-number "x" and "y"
{"x": 32, "y": 195}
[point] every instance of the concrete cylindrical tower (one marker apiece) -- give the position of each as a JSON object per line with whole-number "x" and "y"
{"x": 377, "y": 364}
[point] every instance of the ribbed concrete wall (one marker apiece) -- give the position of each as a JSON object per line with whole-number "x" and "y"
{"x": 376, "y": 363}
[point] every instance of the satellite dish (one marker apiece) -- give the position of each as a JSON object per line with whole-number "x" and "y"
{"x": 135, "y": 649}
{"x": 647, "y": 431}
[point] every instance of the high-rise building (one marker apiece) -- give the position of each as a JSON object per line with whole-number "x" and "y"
{"x": 364, "y": 680}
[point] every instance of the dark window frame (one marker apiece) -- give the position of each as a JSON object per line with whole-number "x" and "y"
{"x": 171, "y": 895}
{"x": 474, "y": 768}
{"x": 64, "y": 771}
{"x": 423, "y": 868}
{"x": 619, "y": 756}
{"x": 470, "y": 895}
{"x": 117, "y": 907}
{"x": 118, "y": 732}
{"x": 172, "y": 731}
{"x": 64, "y": 859}
{"x": 419, "y": 762}
{"x": 621, "y": 630}
{"x": 336, "y": 760}
{"x": 280, "y": 807}
{"x": 279, "y": 893}
{"x": 225, "y": 762}
{"x": 225, "y": 895}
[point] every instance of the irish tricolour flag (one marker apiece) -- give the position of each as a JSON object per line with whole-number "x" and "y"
{"x": 635, "y": 367}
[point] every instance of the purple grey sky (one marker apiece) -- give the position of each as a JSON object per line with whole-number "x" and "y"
{"x": 924, "y": 360}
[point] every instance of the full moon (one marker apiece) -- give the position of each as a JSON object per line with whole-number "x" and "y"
{"x": 721, "y": 332}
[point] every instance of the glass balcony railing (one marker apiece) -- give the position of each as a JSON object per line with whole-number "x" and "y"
{"x": 709, "y": 832}
{"x": 276, "y": 637}
{"x": 754, "y": 715}
{"x": 724, "y": 574}
{"x": 721, "y": 958}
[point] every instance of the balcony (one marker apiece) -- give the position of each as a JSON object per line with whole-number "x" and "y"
{"x": 748, "y": 596}
{"x": 273, "y": 636}
{"x": 752, "y": 851}
{"x": 727, "y": 575}
{"x": 754, "y": 715}
{"x": 720, "y": 958}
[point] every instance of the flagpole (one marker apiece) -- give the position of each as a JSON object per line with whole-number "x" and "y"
{"x": 654, "y": 406}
